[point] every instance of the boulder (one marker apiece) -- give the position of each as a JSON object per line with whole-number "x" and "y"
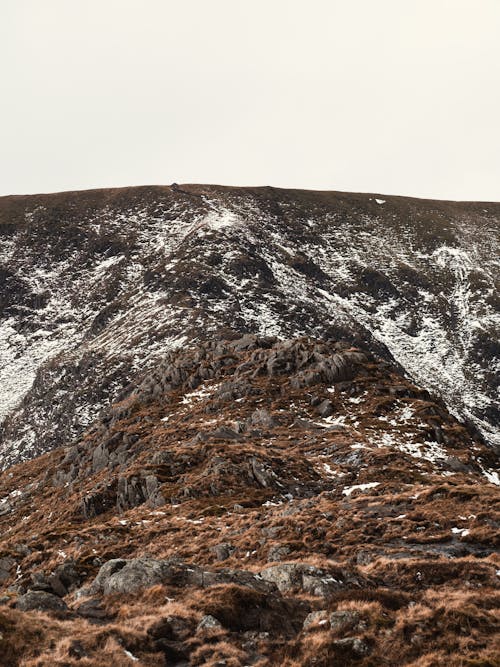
{"x": 92, "y": 609}
{"x": 129, "y": 576}
{"x": 262, "y": 418}
{"x": 41, "y": 601}
{"x": 262, "y": 474}
{"x": 302, "y": 577}
{"x": 136, "y": 490}
{"x": 336, "y": 620}
{"x": 209, "y": 622}
{"x": 223, "y": 550}
{"x": 351, "y": 645}
{"x": 106, "y": 571}
{"x": 48, "y": 583}
{"x": 7, "y": 565}
{"x": 325, "y": 408}
{"x": 135, "y": 575}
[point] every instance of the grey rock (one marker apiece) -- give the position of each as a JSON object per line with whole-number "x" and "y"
{"x": 5, "y": 507}
{"x": 302, "y": 577}
{"x": 226, "y": 433}
{"x": 41, "y": 601}
{"x": 262, "y": 418}
{"x": 352, "y": 645}
{"x": 68, "y": 575}
{"x": 316, "y": 618}
{"x": 263, "y": 475}
{"x": 286, "y": 576}
{"x": 325, "y": 408}
{"x": 209, "y": 622}
{"x": 343, "y": 619}
{"x": 223, "y": 551}
{"x": 7, "y": 565}
{"x": 278, "y": 552}
{"x": 100, "y": 458}
{"x": 136, "y": 574}
{"x": 136, "y": 490}
{"x": 106, "y": 571}
{"x": 154, "y": 495}
{"x": 50, "y": 584}
{"x": 455, "y": 464}
{"x": 129, "y": 576}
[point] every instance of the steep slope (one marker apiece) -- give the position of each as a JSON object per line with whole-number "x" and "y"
{"x": 256, "y": 502}
{"x": 98, "y": 285}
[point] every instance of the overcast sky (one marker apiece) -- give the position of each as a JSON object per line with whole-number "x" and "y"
{"x": 388, "y": 96}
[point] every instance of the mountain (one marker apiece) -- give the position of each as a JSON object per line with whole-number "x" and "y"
{"x": 97, "y": 286}
{"x": 256, "y": 502}
{"x": 248, "y": 426}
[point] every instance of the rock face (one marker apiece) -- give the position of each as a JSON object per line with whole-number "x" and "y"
{"x": 97, "y": 286}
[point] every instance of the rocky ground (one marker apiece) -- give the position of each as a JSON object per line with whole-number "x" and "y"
{"x": 256, "y": 502}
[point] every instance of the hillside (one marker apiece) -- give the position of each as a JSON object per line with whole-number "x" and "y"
{"x": 96, "y": 286}
{"x": 248, "y": 426}
{"x": 256, "y": 502}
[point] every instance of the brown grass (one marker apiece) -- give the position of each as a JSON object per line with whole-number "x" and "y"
{"x": 417, "y": 603}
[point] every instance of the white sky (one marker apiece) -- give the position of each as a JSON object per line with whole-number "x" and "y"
{"x": 389, "y": 96}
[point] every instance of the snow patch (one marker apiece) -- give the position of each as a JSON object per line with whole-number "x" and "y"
{"x": 362, "y": 487}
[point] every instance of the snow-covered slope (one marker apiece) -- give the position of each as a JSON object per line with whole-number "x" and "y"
{"x": 96, "y": 286}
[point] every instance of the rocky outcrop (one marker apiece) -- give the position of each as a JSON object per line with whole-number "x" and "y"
{"x": 7, "y": 565}
{"x": 131, "y": 576}
{"x": 303, "y": 361}
{"x": 136, "y": 490}
{"x": 295, "y": 577}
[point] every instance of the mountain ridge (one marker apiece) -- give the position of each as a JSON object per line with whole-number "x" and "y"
{"x": 96, "y": 283}
{"x": 242, "y": 188}
{"x": 248, "y": 427}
